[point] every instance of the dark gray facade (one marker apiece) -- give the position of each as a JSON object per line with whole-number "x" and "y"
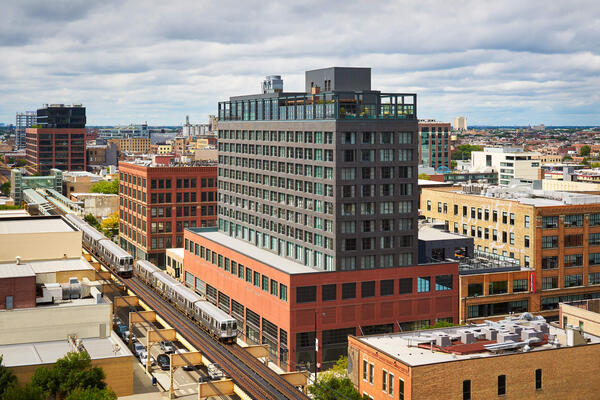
{"x": 331, "y": 193}
{"x": 340, "y": 79}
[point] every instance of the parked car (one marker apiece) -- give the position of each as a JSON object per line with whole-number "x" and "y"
{"x": 167, "y": 347}
{"x": 144, "y": 358}
{"x": 138, "y": 348}
{"x": 164, "y": 362}
{"x": 126, "y": 336}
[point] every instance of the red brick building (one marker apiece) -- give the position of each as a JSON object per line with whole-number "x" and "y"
{"x": 156, "y": 203}
{"x": 17, "y": 286}
{"x": 282, "y": 303}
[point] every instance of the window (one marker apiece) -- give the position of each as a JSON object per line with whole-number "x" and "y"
{"x": 367, "y": 289}
{"x": 401, "y": 389}
{"x": 405, "y": 286}
{"x": 386, "y": 287}
{"x": 384, "y": 380}
{"x": 550, "y": 262}
{"x": 549, "y": 282}
{"x": 573, "y": 260}
{"x": 573, "y": 240}
{"x": 573, "y": 220}
{"x": 549, "y": 242}
{"x": 328, "y": 292}
{"x": 594, "y": 239}
{"x": 550, "y": 222}
{"x": 365, "y": 370}
{"x": 527, "y": 221}
{"x": 594, "y": 219}
{"x": 306, "y": 294}
{"x": 594, "y": 278}
{"x": 511, "y": 219}
{"x": 423, "y": 283}
{"x": 443, "y": 282}
{"x": 371, "y": 373}
{"x": 501, "y": 385}
{"x": 467, "y": 390}
{"x": 498, "y": 287}
{"x": 526, "y": 241}
{"x": 538, "y": 379}
{"x": 519, "y": 285}
{"x": 391, "y": 384}
{"x": 348, "y": 290}
{"x": 573, "y": 280}
{"x": 594, "y": 258}
{"x": 495, "y": 216}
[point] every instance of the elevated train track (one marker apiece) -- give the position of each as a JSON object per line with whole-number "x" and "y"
{"x": 252, "y": 376}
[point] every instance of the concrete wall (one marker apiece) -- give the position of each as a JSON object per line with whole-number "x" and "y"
{"x": 46, "y": 323}
{"x": 40, "y": 246}
{"x": 575, "y": 316}
{"x": 99, "y": 205}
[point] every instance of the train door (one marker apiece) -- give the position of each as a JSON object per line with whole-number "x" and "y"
{"x": 229, "y": 329}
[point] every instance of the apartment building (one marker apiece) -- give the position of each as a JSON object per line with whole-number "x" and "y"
{"x": 434, "y": 139}
{"x": 554, "y": 237}
{"x": 317, "y": 229}
{"x": 156, "y": 203}
{"x": 133, "y": 144}
{"x": 509, "y": 162}
{"x": 23, "y": 121}
{"x": 58, "y": 140}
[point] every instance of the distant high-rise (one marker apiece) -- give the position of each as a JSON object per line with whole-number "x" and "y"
{"x": 24, "y": 120}
{"x": 58, "y": 141}
{"x": 460, "y": 124}
{"x": 435, "y": 143}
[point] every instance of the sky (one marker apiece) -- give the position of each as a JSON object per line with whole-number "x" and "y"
{"x": 511, "y": 62}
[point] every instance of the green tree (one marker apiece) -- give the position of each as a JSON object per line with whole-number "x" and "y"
{"x": 29, "y": 392}
{"x": 585, "y": 151}
{"x": 73, "y": 371}
{"x": 92, "y": 394}
{"x": 5, "y": 188}
{"x": 7, "y": 378}
{"x": 90, "y": 219}
{"x": 567, "y": 158}
{"x": 463, "y": 151}
{"x": 334, "y": 384}
{"x": 106, "y": 187}
{"x": 424, "y": 176}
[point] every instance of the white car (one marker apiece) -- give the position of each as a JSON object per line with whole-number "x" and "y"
{"x": 144, "y": 358}
{"x": 167, "y": 347}
{"x": 138, "y": 348}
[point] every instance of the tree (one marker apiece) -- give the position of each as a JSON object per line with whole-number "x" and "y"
{"x": 29, "y": 392}
{"x": 334, "y": 384}
{"x": 92, "y": 394}
{"x": 106, "y": 187}
{"x": 424, "y": 176}
{"x": 110, "y": 225}
{"x": 567, "y": 158}
{"x": 7, "y": 378}
{"x": 585, "y": 151}
{"x": 463, "y": 151}
{"x": 73, "y": 371}
{"x": 90, "y": 219}
{"x": 5, "y": 188}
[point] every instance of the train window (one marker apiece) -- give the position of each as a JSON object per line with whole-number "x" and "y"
{"x": 223, "y": 326}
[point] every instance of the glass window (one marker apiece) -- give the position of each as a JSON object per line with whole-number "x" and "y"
{"x": 423, "y": 284}
{"x": 405, "y": 286}
{"x": 573, "y": 220}
{"x": 573, "y": 280}
{"x": 550, "y": 222}
{"x": 549, "y": 242}
{"x": 443, "y": 282}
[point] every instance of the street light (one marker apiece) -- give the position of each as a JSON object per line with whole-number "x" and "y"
{"x": 317, "y": 343}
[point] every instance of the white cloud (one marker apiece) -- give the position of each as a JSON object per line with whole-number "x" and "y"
{"x": 509, "y": 62}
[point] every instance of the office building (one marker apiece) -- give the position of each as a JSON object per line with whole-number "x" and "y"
{"x": 157, "y": 202}
{"x": 508, "y": 162}
{"x": 552, "y": 237}
{"x": 460, "y": 124}
{"x": 133, "y": 144}
{"x": 317, "y": 230}
{"x": 23, "y": 121}
{"x": 521, "y": 357}
{"x": 434, "y": 142}
{"x": 58, "y": 141}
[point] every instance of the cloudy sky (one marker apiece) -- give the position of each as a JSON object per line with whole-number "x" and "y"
{"x": 496, "y": 62}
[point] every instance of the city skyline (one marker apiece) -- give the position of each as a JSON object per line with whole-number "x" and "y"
{"x": 510, "y": 63}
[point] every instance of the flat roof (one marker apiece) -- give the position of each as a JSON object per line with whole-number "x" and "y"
{"x": 34, "y": 225}
{"x": 414, "y": 348}
{"x": 428, "y": 233}
{"x": 48, "y": 266}
{"x": 177, "y": 251}
{"x": 14, "y": 355}
{"x": 263, "y": 256}
{"x": 16, "y": 271}
{"x": 14, "y": 213}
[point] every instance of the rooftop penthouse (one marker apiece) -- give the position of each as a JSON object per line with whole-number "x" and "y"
{"x": 331, "y": 93}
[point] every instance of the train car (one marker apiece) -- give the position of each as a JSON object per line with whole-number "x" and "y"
{"x": 145, "y": 270}
{"x": 120, "y": 260}
{"x": 185, "y": 299}
{"x": 217, "y": 322}
{"x": 165, "y": 285}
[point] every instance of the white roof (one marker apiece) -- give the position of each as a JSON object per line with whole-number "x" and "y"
{"x": 33, "y": 225}
{"x": 48, "y": 352}
{"x": 15, "y": 271}
{"x": 47, "y": 266}
{"x": 187, "y": 294}
{"x": 429, "y": 233}
{"x": 263, "y": 256}
{"x": 211, "y": 309}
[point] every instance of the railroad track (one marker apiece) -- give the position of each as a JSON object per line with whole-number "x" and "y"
{"x": 257, "y": 379}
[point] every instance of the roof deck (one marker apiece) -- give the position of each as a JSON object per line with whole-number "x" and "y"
{"x": 328, "y": 105}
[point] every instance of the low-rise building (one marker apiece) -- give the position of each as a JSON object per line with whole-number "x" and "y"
{"x": 554, "y": 238}
{"x": 517, "y": 358}
{"x": 79, "y": 182}
{"x": 132, "y": 144}
{"x": 100, "y": 205}
{"x": 509, "y": 162}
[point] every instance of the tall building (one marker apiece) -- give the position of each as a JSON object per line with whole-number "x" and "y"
{"x": 553, "y": 236}
{"x": 460, "y": 124}
{"x": 434, "y": 138}
{"x": 317, "y": 230}
{"x": 58, "y": 141}
{"x": 156, "y": 203}
{"x": 24, "y": 120}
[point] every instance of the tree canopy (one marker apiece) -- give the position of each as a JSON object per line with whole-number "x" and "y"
{"x": 463, "y": 151}
{"x": 585, "y": 151}
{"x": 110, "y": 225}
{"x": 106, "y": 187}
{"x": 334, "y": 384}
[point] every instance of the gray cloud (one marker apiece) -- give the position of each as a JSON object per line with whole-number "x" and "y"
{"x": 512, "y": 62}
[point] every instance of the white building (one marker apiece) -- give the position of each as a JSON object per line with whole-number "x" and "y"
{"x": 460, "y": 124}
{"x": 509, "y": 162}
